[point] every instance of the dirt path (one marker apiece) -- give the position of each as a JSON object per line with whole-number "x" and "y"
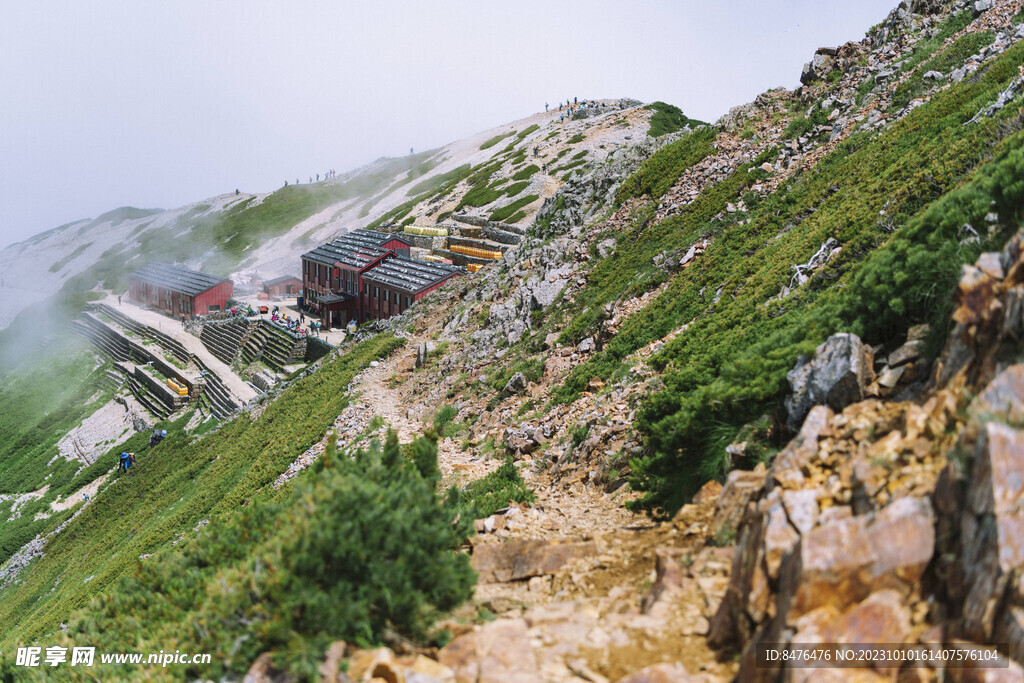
{"x": 76, "y": 497}
{"x": 379, "y": 396}
{"x": 608, "y": 611}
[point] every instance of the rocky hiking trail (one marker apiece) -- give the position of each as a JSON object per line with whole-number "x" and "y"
{"x": 571, "y": 586}
{"x": 377, "y": 395}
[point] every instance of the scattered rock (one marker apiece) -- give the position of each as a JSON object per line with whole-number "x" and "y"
{"x": 498, "y": 652}
{"x": 838, "y": 375}
{"x": 843, "y": 562}
{"x": 522, "y": 558}
{"x": 515, "y": 385}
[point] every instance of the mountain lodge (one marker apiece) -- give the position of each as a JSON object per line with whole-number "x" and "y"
{"x": 178, "y": 291}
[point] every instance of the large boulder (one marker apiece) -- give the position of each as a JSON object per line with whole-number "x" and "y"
{"x": 843, "y": 562}
{"x": 516, "y": 385}
{"x": 819, "y": 66}
{"x": 838, "y": 375}
{"x": 522, "y": 558}
{"x": 992, "y": 527}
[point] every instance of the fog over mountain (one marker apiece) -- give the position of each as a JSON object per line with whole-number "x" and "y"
{"x": 110, "y": 104}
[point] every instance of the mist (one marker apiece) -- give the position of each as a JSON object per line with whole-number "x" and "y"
{"x": 159, "y": 104}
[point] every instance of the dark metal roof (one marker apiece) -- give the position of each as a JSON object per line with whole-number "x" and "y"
{"x": 347, "y": 252}
{"x": 178, "y": 279}
{"x": 412, "y": 275}
{"x": 280, "y": 280}
{"x": 377, "y": 238}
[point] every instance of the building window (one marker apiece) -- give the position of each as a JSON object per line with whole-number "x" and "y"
{"x": 407, "y": 304}
{"x": 395, "y": 298}
{"x": 376, "y": 292}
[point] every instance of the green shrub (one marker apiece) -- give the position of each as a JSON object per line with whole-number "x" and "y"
{"x": 488, "y": 494}
{"x": 509, "y": 209}
{"x": 578, "y": 435}
{"x": 363, "y": 546}
{"x": 496, "y": 139}
{"x": 516, "y": 188}
{"x": 526, "y": 131}
{"x": 526, "y": 173}
{"x": 658, "y": 173}
{"x": 443, "y": 418}
{"x": 668, "y": 119}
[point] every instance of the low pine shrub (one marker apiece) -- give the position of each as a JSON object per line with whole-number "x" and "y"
{"x": 363, "y": 546}
{"x": 488, "y": 494}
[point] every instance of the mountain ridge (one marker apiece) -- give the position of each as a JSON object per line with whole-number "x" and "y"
{"x": 750, "y": 383}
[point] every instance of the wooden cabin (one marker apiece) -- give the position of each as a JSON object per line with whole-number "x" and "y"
{"x": 286, "y": 285}
{"x": 178, "y": 291}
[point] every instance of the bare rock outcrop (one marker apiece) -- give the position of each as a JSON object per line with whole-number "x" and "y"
{"x": 888, "y": 521}
{"x": 838, "y": 375}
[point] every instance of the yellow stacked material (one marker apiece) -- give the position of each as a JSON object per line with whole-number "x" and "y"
{"x": 436, "y": 259}
{"x": 428, "y": 232}
{"x": 478, "y": 253}
{"x": 179, "y": 388}
{"x": 472, "y": 267}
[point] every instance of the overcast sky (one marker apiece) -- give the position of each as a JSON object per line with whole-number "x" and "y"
{"x": 157, "y": 104}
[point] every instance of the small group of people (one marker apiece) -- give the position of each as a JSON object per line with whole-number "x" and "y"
{"x": 247, "y": 312}
{"x": 294, "y": 324}
{"x": 127, "y": 460}
{"x": 298, "y": 326}
{"x": 326, "y": 174}
{"x": 574, "y": 108}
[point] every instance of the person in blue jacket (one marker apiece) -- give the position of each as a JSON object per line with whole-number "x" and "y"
{"x": 124, "y": 464}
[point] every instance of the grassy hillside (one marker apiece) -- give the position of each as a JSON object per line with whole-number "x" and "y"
{"x": 39, "y": 404}
{"x": 174, "y": 486}
{"x": 883, "y": 198}
{"x": 224, "y": 239}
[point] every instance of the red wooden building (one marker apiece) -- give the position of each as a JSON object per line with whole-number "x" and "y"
{"x": 391, "y": 286}
{"x": 178, "y": 291}
{"x": 381, "y": 240}
{"x": 286, "y": 285}
{"x": 332, "y": 277}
